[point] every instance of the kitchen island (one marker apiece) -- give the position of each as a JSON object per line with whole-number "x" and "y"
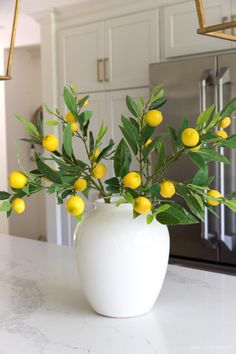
{"x": 43, "y": 310}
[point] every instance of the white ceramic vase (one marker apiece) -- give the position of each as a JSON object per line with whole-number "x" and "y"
{"x": 121, "y": 262}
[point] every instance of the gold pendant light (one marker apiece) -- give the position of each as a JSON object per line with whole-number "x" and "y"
{"x": 215, "y": 30}
{"x": 7, "y": 75}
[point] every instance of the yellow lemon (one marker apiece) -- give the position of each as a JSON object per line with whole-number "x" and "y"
{"x": 222, "y": 134}
{"x": 50, "y": 142}
{"x": 75, "y": 205}
{"x": 213, "y": 193}
{"x": 153, "y": 117}
{"x": 74, "y": 127}
{"x": 225, "y": 122}
{"x": 132, "y": 180}
{"x": 142, "y": 205}
{"x": 80, "y": 185}
{"x": 167, "y": 189}
{"x": 18, "y": 205}
{"x": 70, "y": 118}
{"x": 149, "y": 141}
{"x": 195, "y": 149}
{"x": 95, "y": 155}
{"x": 99, "y": 171}
{"x": 17, "y": 180}
{"x": 190, "y": 137}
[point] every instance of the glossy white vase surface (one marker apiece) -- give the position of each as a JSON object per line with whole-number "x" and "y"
{"x": 121, "y": 261}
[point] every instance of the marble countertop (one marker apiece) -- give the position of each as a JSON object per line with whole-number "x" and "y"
{"x": 42, "y": 309}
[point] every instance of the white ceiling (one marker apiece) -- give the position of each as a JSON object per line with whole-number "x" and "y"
{"x": 27, "y": 30}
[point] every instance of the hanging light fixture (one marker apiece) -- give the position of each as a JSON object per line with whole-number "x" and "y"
{"x": 7, "y": 75}
{"x": 214, "y": 30}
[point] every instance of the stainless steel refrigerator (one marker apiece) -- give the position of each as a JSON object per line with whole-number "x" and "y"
{"x": 191, "y": 85}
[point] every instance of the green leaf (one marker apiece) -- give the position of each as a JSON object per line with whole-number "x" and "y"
{"x": 158, "y": 103}
{"x": 197, "y": 160}
{"x": 91, "y": 142}
{"x": 102, "y": 131}
{"x": 4, "y": 195}
{"x": 201, "y": 177}
{"x": 105, "y": 151}
{"x": 150, "y": 218}
{"x": 231, "y": 195}
{"x": 230, "y": 142}
{"x": 82, "y": 101}
{"x": 231, "y": 204}
{"x": 84, "y": 117}
{"x": 174, "y": 137}
{"x": 70, "y": 102}
{"x": 176, "y": 215}
{"x": 162, "y": 208}
{"x": 122, "y": 159}
{"x": 32, "y": 141}
{"x": 112, "y": 181}
{"x": 6, "y": 206}
{"x": 80, "y": 217}
{"x": 211, "y": 155}
{"x": 51, "y": 122}
{"x": 205, "y": 116}
{"x": 155, "y": 144}
{"x": 49, "y": 173}
{"x": 184, "y": 125}
{"x": 120, "y": 201}
{"x": 39, "y": 123}
{"x": 113, "y": 185}
{"x": 147, "y": 133}
{"x": 154, "y": 190}
{"x": 130, "y": 133}
{"x": 129, "y": 198}
{"x": 196, "y": 206}
{"x": 133, "y": 107}
{"x": 161, "y": 157}
{"x": 74, "y": 88}
{"x": 67, "y": 140}
{"x": 229, "y": 108}
{"x": 48, "y": 109}
{"x": 29, "y": 127}
{"x": 155, "y": 90}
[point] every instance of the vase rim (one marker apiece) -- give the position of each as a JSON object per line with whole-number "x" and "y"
{"x": 113, "y": 201}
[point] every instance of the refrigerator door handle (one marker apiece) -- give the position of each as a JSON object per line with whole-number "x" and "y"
{"x": 228, "y": 240}
{"x": 207, "y": 79}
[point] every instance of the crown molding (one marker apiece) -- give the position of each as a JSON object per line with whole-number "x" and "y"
{"x": 97, "y": 10}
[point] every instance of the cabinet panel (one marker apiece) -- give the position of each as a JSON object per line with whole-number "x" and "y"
{"x": 131, "y": 44}
{"x": 79, "y": 50}
{"x": 116, "y": 105}
{"x": 181, "y": 23}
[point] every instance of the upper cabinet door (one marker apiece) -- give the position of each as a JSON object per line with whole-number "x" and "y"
{"x": 131, "y": 44}
{"x": 81, "y": 53}
{"x": 181, "y": 23}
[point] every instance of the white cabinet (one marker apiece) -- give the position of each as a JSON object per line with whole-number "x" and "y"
{"x": 112, "y": 54}
{"x": 80, "y": 49}
{"x": 181, "y": 23}
{"x": 131, "y": 44}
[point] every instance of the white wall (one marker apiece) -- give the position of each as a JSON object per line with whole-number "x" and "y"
{"x": 23, "y": 96}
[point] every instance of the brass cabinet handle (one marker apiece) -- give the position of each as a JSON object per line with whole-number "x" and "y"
{"x": 106, "y": 69}
{"x": 225, "y": 20}
{"x": 99, "y": 66}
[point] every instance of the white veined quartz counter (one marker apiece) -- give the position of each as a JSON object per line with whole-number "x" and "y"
{"x": 42, "y": 309}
